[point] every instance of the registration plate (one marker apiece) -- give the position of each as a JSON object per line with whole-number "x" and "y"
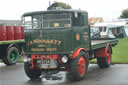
{"x": 47, "y": 64}
{"x": 46, "y": 61}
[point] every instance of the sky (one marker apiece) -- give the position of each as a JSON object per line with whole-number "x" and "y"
{"x": 107, "y": 9}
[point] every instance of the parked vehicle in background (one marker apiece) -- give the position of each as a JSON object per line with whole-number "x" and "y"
{"x": 11, "y": 43}
{"x": 95, "y": 32}
{"x": 59, "y": 40}
{"x": 118, "y": 29}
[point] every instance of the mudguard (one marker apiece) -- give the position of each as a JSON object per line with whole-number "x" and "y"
{"x": 77, "y": 52}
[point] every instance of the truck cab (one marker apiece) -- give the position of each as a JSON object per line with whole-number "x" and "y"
{"x": 56, "y": 32}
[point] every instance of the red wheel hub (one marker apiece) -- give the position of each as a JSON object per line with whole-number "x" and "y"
{"x": 81, "y": 66}
{"x": 108, "y": 56}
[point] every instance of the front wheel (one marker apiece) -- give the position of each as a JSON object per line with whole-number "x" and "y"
{"x": 31, "y": 73}
{"x": 79, "y": 67}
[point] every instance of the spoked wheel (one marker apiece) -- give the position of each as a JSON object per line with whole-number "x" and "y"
{"x": 12, "y": 56}
{"x": 79, "y": 67}
{"x": 105, "y": 61}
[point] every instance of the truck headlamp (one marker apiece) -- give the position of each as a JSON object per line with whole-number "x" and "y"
{"x": 26, "y": 59}
{"x": 64, "y": 59}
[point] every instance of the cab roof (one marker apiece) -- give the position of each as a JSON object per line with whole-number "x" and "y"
{"x": 54, "y": 11}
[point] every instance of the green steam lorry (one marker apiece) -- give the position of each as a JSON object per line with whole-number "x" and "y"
{"x": 59, "y": 40}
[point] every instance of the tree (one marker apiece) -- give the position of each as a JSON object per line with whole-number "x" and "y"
{"x": 124, "y": 13}
{"x": 59, "y": 5}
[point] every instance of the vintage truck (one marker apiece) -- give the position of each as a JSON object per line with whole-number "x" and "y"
{"x": 59, "y": 40}
{"x": 11, "y": 43}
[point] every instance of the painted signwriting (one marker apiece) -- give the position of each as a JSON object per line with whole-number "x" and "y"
{"x": 42, "y": 45}
{"x": 56, "y": 42}
{"x": 42, "y": 49}
{"x": 85, "y": 35}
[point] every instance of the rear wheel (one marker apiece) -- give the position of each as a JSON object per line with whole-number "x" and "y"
{"x": 79, "y": 67}
{"x": 11, "y": 56}
{"x": 31, "y": 73}
{"x": 104, "y": 62}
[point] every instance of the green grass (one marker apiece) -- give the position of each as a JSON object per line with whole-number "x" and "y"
{"x": 120, "y": 52}
{"x": 21, "y": 59}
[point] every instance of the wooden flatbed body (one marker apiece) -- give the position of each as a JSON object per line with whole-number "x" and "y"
{"x": 102, "y": 42}
{"x": 11, "y": 41}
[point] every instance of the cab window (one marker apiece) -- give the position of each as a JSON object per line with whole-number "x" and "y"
{"x": 61, "y": 20}
{"x": 32, "y": 22}
{"x": 79, "y": 19}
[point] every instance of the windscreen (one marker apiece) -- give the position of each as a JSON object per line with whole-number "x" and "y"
{"x": 60, "y": 20}
{"x": 56, "y": 20}
{"x": 27, "y": 22}
{"x": 102, "y": 29}
{"x": 32, "y": 22}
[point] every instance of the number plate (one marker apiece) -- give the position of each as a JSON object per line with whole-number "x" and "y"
{"x": 46, "y": 61}
{"x": 43, "y": 61}
{"x": 47, "y": 64}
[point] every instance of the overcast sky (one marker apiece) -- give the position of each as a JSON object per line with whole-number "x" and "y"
{"x": 108, "y": 9}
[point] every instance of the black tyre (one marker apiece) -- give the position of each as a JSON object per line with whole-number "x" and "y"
{"x": 31, "y": 73}
{"x": 12, "y": 56}
{"x": 105, "y": 62}
{"x": 79, "y": 67}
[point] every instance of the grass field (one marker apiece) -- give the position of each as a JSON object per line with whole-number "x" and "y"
{"x": 120, "y": 52}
